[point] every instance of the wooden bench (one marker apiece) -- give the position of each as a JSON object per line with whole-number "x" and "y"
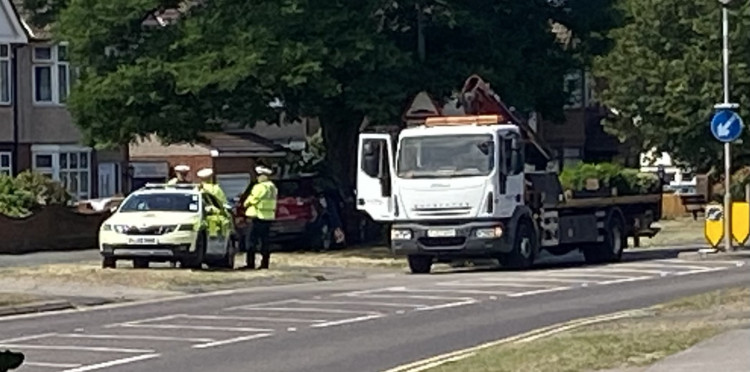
{"x": 694, "y": 203}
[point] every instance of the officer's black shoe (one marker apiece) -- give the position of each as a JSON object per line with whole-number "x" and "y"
{"x": 10, "y": 360}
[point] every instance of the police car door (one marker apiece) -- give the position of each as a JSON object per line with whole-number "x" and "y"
{"x": 216, "y": 244}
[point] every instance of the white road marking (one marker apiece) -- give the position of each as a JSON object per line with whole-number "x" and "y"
{"x": 198, "y": 327}
{"x": 609, "y": 269}
{"x": 133, "y": 337}
{"x": 366, "y": 303}
{"x": 626, "y": 280}
{"x": 312, "y": 310}
{"x": 291, "y": 329}
{"x": 50, "y": 365}
{"x": 248, "y": 306}
{"x": 664, "y": 265}
{"x": 704, "y": 270}
{"x": 445, "y": 306}
{"x": 93, "y": 367}
{"x": 576, "y": 274}
{"x": 418, "y": 297}
{"x": 27, "y": 338}
{"x": 347, "y": 321}
{"x": 256, "y": 318}
{"x": 457, "y": 291}
{"x": 529, "y": 293}
{"x": 139, "y": 321}
{"x": 232, "y": 341}
{"x": 357, "y": 293}
{"x": 503, "y": 283}
{"x": 77, "y": 348}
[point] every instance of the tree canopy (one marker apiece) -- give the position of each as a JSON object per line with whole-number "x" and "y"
{"x": 223, "y": 61}
{"x": 664, "y": 76}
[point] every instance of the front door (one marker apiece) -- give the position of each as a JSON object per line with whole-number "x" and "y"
{"x": 108, "y": 179}
{"x": 375, "y": 170}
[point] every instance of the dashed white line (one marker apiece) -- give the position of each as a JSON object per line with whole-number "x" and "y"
{"x": 232, "y": 340}
{"x": 27, "y": 338}
{"x": 509, "y": 282}
{"x": 418, "y": 297}
{"x": 77, "y": 348}
{"x": 457, "y": 291}
{"x": 140, "y": 321}
{"x": 249, "y": 306}
{"x": 93, "y": 367}
{"x": 256, "y": 318}
{"x": 625, "y": 280}
{"x": 311, "y": 310}
{"x": 700, "y": 271}
{"x": 133, "y": 337}
{"x": 347, "y": 321}
{"x": 446, "y": 306}
{"x": 197, "y": 327}
{"x": 574, "y": 274}
{"x": 548, "y": 290}
{"x": 51, "y": 365}
{"x": 366, "y": 303}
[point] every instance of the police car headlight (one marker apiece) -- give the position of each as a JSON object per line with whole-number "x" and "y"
{"x": 398, "y": 234}
{"x": 487, "y": 233}
{"x": 120, "y": 229}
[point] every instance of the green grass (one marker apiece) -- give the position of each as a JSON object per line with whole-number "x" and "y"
{"x": 671, "y": 328}
{"x": 12, "y": 299}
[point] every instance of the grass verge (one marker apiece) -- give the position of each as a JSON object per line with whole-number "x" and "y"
{"x": 680, "y": 231}
{"x": 285, "y": 267}
{"x": 13, "y": 299}
{"x": 671, "y": 327}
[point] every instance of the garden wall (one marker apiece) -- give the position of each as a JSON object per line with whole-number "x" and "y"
{"x": 52, "y": 228}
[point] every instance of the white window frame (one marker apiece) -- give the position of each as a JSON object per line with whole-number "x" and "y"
{"x": 9, "y": 169}
{"x": 575, "y": 96}
{"x": 53, "y": 63}
{"x": 56, "y": 171}
{"x": 7, "y": 59}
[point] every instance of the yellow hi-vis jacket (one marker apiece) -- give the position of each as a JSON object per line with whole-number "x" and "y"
{"x": 261, "y": 203}
{"x": 216, "y": 191}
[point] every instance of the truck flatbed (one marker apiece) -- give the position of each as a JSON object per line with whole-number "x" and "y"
{"x": 597, "y": 202}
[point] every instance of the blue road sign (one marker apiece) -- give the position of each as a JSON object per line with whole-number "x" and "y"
{"x": 726, "y": 125}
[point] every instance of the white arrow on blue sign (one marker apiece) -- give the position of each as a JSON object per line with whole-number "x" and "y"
{"x": 726, "y": 126}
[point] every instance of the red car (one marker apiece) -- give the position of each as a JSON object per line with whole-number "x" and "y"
{"x": 300, "y": 218}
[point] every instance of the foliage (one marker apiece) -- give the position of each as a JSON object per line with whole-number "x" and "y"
{"x": 664, "y": 76}
{"x": 222, "y": 61}
{"x": 627, "y": 181}
{"x": 27, "y": 192}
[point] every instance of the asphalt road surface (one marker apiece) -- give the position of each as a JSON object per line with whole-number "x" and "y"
{"x": 365, "y": 325}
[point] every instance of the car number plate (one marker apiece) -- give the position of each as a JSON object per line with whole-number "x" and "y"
{"x": 441, "y": 233}
{"x": 143, "y": 241}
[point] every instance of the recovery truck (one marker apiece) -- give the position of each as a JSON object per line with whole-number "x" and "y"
{"x": 476, "y": 186}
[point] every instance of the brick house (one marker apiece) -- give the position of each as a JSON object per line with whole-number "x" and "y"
{"x": 36, "y": 130}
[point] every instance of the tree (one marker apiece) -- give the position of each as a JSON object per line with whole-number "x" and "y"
{"x": 340, "y": 60}
{"x": 664, "y": 76}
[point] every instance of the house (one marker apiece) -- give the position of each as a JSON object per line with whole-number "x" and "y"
{"x": 37, "y": 132}
{"x": 232, "y": 156}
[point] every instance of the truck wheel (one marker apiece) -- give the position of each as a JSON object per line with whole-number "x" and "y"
{"x": 196, "y": 261}
{"x": 140, "y": 264}
{"x": 614, "y": 243}
{"x": 109, "y": 263}
{"x": 522, "y": 255}
{"x": 420, "y": 264}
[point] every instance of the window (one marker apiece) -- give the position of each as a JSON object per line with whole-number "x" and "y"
{"x": 590, "y": 97}
{"x": 573, "y": 87}
{"x": 161, "y": 202}
{"x": 70, "y": 165}
{"x": 51, "y": 74}
{"x": 5, "y": 74}
{"x": 6, "y": 163}
{"x": 446, "y": 156}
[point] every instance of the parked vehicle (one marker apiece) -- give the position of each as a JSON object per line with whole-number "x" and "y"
{"x": 476, "y": 187}
{"x": 302, "y": 215}
{"x": 169, "y": 223}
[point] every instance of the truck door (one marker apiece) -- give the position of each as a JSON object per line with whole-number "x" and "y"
{"x": 375, "y": 170}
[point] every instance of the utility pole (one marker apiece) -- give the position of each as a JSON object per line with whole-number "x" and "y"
{"x": 727, "y": 146}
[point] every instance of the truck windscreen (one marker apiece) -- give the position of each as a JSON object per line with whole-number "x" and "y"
{"x": 446, "y": 156}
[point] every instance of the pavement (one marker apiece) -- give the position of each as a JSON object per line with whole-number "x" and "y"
{"x": 371, "y": 324}
{"x": 726, "y": 353}
{"x": 45, "y": 258}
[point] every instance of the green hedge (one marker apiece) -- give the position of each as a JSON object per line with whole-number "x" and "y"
{"x": 22, "y": 195}
{"x": 627, "y": 181}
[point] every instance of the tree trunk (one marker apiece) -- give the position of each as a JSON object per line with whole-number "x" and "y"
{"x": 340, "y": 140}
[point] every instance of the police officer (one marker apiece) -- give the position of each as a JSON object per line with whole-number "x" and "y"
{"x": 206, "y": 175}
{"x": 260, "y": 209}
{"x": 181, "y": 171}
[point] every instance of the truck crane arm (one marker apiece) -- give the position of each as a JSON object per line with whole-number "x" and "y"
{"x": 477, "y": 98}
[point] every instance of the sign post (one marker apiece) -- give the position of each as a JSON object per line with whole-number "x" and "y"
{"x": 726, "y": 126}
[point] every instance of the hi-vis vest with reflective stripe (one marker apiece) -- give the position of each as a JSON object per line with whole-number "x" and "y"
{"x": 261, "y": 202}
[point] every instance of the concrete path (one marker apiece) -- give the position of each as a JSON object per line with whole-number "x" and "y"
{"x": 727, "y": 352}
{"x": 45, "y": 258}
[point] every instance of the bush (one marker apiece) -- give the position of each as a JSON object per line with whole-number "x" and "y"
{"x": 627, "y": 181}
{"x": 21, "y": 196}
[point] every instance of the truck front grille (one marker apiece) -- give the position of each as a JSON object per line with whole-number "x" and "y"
{"x": 442, "y": 242}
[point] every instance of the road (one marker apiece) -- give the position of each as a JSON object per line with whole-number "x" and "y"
{"x": 364, "y": 325}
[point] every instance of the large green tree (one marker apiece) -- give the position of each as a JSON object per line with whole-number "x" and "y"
{"x": 664, "y": 76}
{"x": 340, "y": 60}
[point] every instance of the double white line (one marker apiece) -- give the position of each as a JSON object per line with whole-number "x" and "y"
{"x": 435, "y": 361}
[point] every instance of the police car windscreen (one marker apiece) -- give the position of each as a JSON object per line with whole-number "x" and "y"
{"x": 162, "y": 202}
{"x": 446, "y": 156}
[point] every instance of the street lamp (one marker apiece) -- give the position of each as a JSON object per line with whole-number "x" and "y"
{"x": 727, "y": 147}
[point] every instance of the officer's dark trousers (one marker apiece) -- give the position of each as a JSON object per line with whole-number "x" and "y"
{"x": 257, "y": 241}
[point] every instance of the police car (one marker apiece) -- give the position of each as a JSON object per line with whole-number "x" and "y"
{"x": 169, "y": 223}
